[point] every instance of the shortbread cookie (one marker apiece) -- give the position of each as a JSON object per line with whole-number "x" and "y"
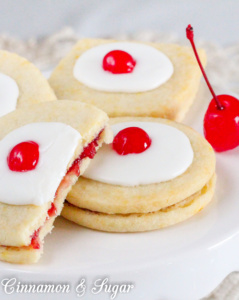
{"x": 43, "y": 148}
{"x": 161, "y": 80}
{"x": 178, "y": 167}
{"x": 21, "y": 83}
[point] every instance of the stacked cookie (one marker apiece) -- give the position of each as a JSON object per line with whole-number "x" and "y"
{"x": 120, "y": 196}
{"x": 150, "y": 173}
{"x": 171, "y": 179}
{"x": 45, "y": 146}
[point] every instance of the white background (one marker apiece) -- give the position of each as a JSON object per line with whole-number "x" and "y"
{"x": 217, "y": 20}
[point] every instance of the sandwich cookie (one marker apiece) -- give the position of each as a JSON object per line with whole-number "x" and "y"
{"x": 130, "y": 78}
{"x": 156, "y": 173}
{"x": 44, "y": 148}
{"x": 21, "y": 83}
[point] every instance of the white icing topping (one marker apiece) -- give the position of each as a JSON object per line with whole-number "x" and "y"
{"x": 169, "y": 156}
{"x": 9, "y": 94}
{"x": 57, "y": 145}
{"x": 152, "y": 69}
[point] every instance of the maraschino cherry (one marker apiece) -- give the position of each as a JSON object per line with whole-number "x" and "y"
{"x": 221, "y": 121}
{"x": 118, "y": 62}
{"x": 131, "y": 140}
{"x": 23, "y": 157}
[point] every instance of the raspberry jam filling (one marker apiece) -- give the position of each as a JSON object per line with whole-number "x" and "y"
{"x": 89, "y": 151}
{"x": 52, "y": 211}
{"x": 35, "y": 240}
{"x": 35, "y": 244}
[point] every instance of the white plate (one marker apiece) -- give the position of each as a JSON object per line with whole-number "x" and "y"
{"x": 185, "y": 261}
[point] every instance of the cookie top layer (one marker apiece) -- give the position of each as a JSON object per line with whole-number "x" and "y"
{"x": 26, "y": 156}
{"x": 33, "y": 86}
{"x": 97, "y": 196}
{"x": 89, "y": 68}
{"x": 18, "y": 222}
{"x": 168, "y": 155}
{"x": 170, "y": 100}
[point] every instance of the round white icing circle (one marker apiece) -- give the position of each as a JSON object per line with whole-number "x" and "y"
{"x": 169, "y": 156}
{"x": 152, "y": 69}
{"x": 9, "y": 93}
{"x": 57, "y": 144}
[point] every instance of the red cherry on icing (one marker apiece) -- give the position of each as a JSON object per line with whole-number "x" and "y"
{"x": 118, "y": 62}
{"x": 131, "y": 140}
{"x": 221, "y": 121}
{"x": 23, "y": 157}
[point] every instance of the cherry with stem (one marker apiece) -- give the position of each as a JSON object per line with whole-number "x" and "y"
{"x": 221, "y": 121}
{"x": 190, "y": 36}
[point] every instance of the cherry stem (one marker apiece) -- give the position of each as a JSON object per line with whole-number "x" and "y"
{"x": 190, "y": 36}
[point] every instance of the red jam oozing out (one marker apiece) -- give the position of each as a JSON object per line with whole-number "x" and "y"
{"x": 35, "y": 239}
{"x": 131, "y": 140}
{"x": 221, "y": 121}
{"x": 75, "y": 167}
{"x": 23, "y": 157}
{"x": 118, "y": 62}
{"x": 89, "y": 151}
{"x": 52, "y": 210}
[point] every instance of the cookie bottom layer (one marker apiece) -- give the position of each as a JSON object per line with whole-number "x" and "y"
{"x": 142, "y": 222}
